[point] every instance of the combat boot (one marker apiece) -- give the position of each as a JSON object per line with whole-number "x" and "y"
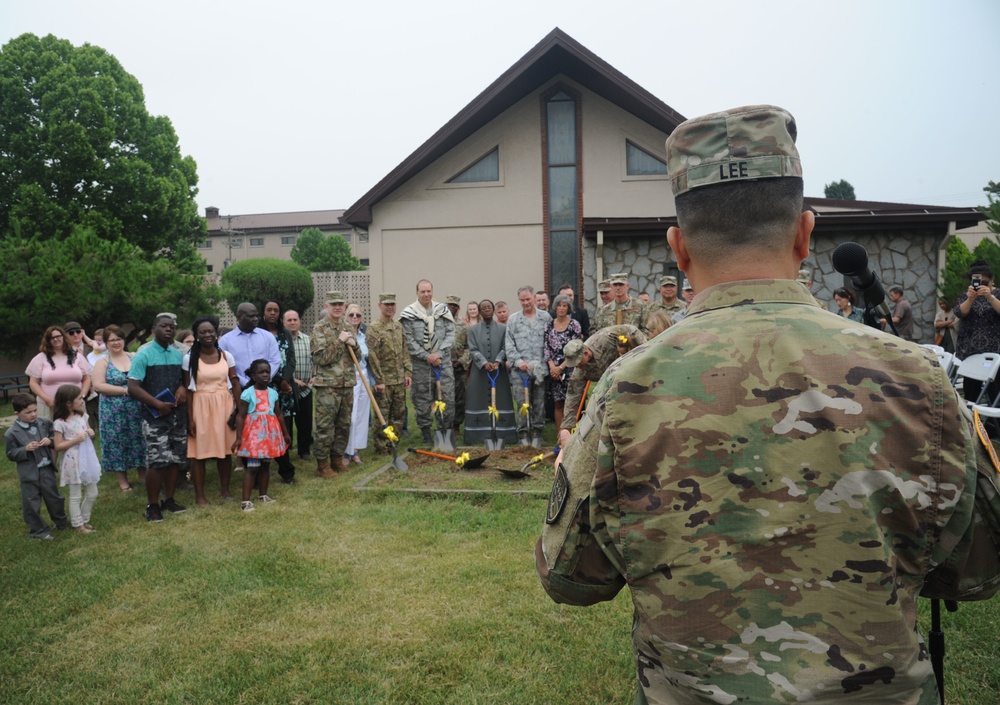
{"x": 428, "y": 438}
{"x": 323, "y": 468}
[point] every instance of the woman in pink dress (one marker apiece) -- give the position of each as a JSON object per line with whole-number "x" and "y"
{"x": 213, "y": 392}
{"x": 56, "y": 364}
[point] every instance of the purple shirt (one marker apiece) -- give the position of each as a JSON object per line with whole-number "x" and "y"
{"x": 258, "y": 344}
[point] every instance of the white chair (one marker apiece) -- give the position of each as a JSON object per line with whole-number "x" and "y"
{"x": 982, "y": 367}
{"x": 937, "y": 349}
{"x": 947, "y": 362}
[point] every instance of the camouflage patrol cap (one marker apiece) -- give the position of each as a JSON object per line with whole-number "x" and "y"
{"x": 604, "y": 285}
{"x": 805, "y": 276}
{"x": 335, "y": 297}
{"x": 573, "y": 352}
{"x": 687, "y": 286}
{"x": 620, "y": 278}
{"x": 453, "y": 300}
{"x": 386, "y": 298}
{"x": 748, "y": 143}
{"x": 668, "y": 281}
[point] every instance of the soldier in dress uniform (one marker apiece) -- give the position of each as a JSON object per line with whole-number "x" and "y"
{"x": 389, "y": 363}
{"x": 333, "y": 371}
{"x": 622, "y": 308}
{"x": 774, "y": 484}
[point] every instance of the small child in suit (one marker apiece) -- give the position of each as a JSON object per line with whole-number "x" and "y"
{"x": 29, "y": 444}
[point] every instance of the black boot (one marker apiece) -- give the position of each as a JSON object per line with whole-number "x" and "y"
{"x": 428, "y": 439}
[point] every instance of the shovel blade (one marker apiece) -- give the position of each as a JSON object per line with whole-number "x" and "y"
{"x": 399, "y": 463}
{"x": 442, "y": 442}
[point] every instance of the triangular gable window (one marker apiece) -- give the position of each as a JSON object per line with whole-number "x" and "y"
{"x": 642, "y": 163}
{"x": 486, "y": 169}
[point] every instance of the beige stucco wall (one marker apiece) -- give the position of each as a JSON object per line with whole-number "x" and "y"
{"x": 608, "y": 191}
{"x": 485, "y": 240}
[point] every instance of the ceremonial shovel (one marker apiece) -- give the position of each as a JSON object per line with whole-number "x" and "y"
{"x": 493, "y": 443}
{"x": 397, "y": 462}
{"x": 442, "y": 437}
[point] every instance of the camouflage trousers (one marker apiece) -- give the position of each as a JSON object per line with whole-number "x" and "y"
{"x": 332, "y": 410}
{"x": 461, "y": 385}
{"x": 423, "y": 391}
{"x": 535, "y": 420}
{"x": 392, "y": 404}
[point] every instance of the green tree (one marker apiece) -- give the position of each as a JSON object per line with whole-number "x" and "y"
{"x": 992, "y": 211}
{"x": 955, "y": 278}
{"x": 95, "y": 281}
{"x": 264, "y": 279}
{"x": 78, "y": 148}
{"x": 324, "y": 253}
{"x": 841, "y": 190}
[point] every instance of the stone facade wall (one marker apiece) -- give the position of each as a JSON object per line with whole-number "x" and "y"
{"x": 907, "y": 258}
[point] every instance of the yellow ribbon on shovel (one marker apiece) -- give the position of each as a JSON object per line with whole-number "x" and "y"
{"x": 493, "y": 411}
{"x": 438, "y": 406}
{"x": 524, "y": 408}
{"x": 390, "y": 433}
{"x": 461, "y": 460}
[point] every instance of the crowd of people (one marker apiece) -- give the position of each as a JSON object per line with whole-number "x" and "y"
{"x": 191, "y": 396}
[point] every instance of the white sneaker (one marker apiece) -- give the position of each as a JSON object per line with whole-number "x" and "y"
{"x": 265, "y": 498}
{"x": 246, "y": 506}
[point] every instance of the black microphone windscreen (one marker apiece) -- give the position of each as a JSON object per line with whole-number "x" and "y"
{"x": 850, "y": 259}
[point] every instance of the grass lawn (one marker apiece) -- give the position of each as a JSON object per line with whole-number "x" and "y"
{"x": 329, "y": 595}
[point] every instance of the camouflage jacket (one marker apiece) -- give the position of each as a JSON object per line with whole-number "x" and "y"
{"x": 775, "y": 484}
{"x": 671, "y": 309}
{"x": 634, "y": 312}
{"x": 388, "y": 358}
{"x": 460, "y": 356}
{"x": 332, "y": 363}
{"x": 605, "y": 348}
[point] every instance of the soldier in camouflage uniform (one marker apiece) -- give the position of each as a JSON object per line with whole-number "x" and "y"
{"x": 774, "y": 484}
{"x": 524, "y": 345}
{"x": 668, "y": 297}
{"x": 389, "y": 363}
{"x": 622, "y": 308}
{"x": 589, "y": 359}
{"x": 460, "y": 360}
{"x": 333, "y": 371}
{"x": 604, "y": 293}
{"x": 430, "y": 334}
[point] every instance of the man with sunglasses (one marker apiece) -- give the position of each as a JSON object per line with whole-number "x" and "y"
{"x": 333, "y": 372}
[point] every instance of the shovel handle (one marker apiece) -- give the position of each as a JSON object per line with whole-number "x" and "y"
{"x": 433, "y": 455}
{"x": 368, "y": 389}
{"x": 583, "y": 400}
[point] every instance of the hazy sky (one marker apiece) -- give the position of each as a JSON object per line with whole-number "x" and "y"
{"x": 305, "y": 105}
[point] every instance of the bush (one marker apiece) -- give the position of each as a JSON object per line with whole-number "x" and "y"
{"x": 261, "y": 280}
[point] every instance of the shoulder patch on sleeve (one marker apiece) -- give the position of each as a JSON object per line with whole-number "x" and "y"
{"x": 558, "y": 496}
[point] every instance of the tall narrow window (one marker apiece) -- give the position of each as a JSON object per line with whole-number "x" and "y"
{"x": 642, "y": 163}
{"x": 485, "y": 169}
{"x": 562, "y": 185}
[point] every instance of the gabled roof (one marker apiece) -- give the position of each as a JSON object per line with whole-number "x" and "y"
{"x": 557, "y": 53}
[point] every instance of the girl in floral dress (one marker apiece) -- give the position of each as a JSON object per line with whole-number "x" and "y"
{"x": 261, "y": 435}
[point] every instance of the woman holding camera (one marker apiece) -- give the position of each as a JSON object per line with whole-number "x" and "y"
{"x": 979, "y": 311}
